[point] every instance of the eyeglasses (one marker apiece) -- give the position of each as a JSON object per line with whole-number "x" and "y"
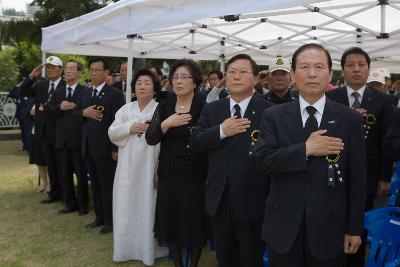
{"x": 239, "y": 72}
{"x": 181, "y": 77}
{"x": 95, "y": 70}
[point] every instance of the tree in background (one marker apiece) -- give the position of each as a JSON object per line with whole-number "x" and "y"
{"x": 52, "y": 12}
{"x": 8, "y": 70}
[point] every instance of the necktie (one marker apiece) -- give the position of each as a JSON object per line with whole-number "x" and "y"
{"x": 94, "y": 93}
{"x": 237, "y": 111}
{"x": 124, "y": 86}
{"x": 356, "y": 103}
{"x": 69, "y": 96}
{"x": 311, "y": 124}
{"x": 51, "y": 88}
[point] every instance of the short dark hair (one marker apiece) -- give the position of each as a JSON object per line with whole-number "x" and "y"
{"x": 354, "y": 50}
{"x": 79, "y": 65}
{"x": 99, "y": 59}
{"x": 254, "y": 66}
{"x": 146, "y": 72}
{"x": 218, "y": 72}
{"x": 302, "y": 48}
{"x": 191, "y": 67}
{"x": 158, "y": 70}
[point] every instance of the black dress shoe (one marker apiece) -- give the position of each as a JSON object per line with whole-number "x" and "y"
{"x": 49, "y": 200}
{"x": 93, "y": 224}
{"x": 83, "y": 212}
{"x": 105, "y": 230}
{"x": 67, "y": 210}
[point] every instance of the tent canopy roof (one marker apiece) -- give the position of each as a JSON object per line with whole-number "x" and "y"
{"x": 206, "y": 30}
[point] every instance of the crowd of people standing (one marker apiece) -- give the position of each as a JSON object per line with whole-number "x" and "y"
{"x": 256, "y": 159}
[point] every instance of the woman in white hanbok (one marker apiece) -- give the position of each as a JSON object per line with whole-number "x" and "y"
{"x": 134, "y": 193}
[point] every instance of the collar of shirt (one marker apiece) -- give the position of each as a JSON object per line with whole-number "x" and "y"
{"x": 56, "y": 82}
{"x": 319, "y": 106}
{"x": 242, "y": 104}
{"x": 351, "y": 90}
{"x": 73, "y": 89}
{"x": 99, "y": 88}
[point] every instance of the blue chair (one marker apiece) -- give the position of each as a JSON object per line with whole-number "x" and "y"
{"x": 266, "y": 258}
{"x": 395, "y": 263}
{"x": 394, "y": 191}
{"x": 383, "y": 227}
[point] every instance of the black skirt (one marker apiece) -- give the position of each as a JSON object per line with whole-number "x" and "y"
{"x": 180, "y": 217}
{"x": 37, "y": 154}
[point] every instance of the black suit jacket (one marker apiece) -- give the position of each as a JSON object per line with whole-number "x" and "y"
{"x": 68, "y": 127}
{"x": 45, "y": 121}
{"x": 379, "y": 104}
{"x": 118, "y": 85}
{"x": 299, "y": 189}
{"x": 391, "y": 144}
{"x": 95, "y": 141}
{"x": 230, "y": 160}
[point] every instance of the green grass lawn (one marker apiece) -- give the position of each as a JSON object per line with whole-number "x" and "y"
{"x": 32, "y": 234}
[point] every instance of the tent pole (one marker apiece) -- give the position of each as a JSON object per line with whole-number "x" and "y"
{"x": 383, "y": 18}
{"x": 222, "y": 55}
{"x": 129, "y": 71}
{"x": 43, "y": 62}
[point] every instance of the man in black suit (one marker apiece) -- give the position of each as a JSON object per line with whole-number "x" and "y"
{"x": 391, "y": 143}
{"x": 97, "y": 108}
{"x": 315, "y": 207}
{"x": 123, "y": 70}
{"x": 45, "y": 122}
{"x": 235, "y": 193}
{"x": 377, "y": 112}
{"x": 68, "y": 139}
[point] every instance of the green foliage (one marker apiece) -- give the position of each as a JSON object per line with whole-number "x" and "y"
{"x": 8, "y": 70}
{"x": 27, "y": 56}
{"x": 12, "y": 32}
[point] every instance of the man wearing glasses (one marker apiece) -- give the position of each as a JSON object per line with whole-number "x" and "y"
{"x": 227, "y": 131}
{"x": 97, "y": 108}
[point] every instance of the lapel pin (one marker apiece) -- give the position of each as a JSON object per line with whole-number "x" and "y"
{"x": 331, "y": 122}
{"x": 254, "y": 112}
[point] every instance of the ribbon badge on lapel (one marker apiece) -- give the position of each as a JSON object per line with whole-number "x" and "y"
{"x": 190, "y": 130}
{"x": 369, "y": 120}
{"x": 100, "y": 109}
{"x": 254, "y": 135}
{"x": 334, "y": 174}
{"x": 254, "y": 138}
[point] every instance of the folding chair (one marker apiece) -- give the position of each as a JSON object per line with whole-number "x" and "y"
{"x": 383, "y": 227}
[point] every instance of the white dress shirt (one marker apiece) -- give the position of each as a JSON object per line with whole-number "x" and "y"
{"x": 72, "y": 91}
{"x": 56, "y": 82}
{"x": 243, "y": 106}
{"x": 99, "y": 88}
{"x": 319, "y": 106}
{"x": 351, "y": 97}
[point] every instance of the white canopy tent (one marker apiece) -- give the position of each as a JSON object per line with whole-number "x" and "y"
{"x": 207, "y": 30}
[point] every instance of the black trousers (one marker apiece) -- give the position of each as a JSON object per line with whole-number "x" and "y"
{"x": 358, "y": 259}
{"x": 53, "y": 163}
{"x": 238, "y": 243}
{"x": 102, "y": 180}
{"x": 72, "y": 162}
{"x": 300, "y": 255}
